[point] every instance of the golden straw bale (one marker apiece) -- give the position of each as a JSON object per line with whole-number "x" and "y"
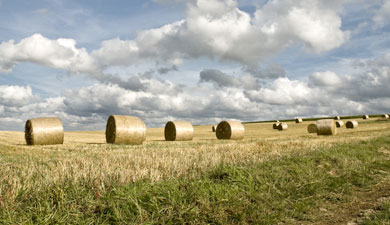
{"x": 282, "y": 126}
{"x": 125, "y": 130}
{"x": 339, "y": 123}
{"x": 312, "y": 128}
{"x": 366, "y": 117}
{"x": 326, "y": 127}
{"x": 44, "y": 131}
{"x": 178, "y": 131}
{"x": 337, "y": 118}
{"x": 230, "y": 129}
{"x": 275, "y": 126}
{"x": 298, "y": 120}
{"x": 213, "y": 128}
{"x": 385, "y": 116}
{"x": 352, "y": 124}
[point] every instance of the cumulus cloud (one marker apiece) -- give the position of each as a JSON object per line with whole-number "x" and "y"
{"x": 217, "y": 29}
{"x": 15, "y": 95}
{"x": 281, "y": 91}
{"x": 280, "y": 98}
{"x": 315, "y": 23}
{"x": 325, "y": 79}
{"x": 88, "y": 107}
{"x": 61, "y": 53}
{"x": 332, "y": 92}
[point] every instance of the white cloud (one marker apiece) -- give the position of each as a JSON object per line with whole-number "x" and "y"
{"x": 15, "y": 95}
{"x": 217, "y": 29}
{"x": 283, "y": 91}
{"x": 315, "y": 23}
{"x": 61, "y": 53}
{"x": 117, "y": 52}
{"x": 327, "y": 78}
{"x": 157, "y": 102}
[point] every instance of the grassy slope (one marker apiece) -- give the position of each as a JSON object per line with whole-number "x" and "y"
{"x": 288, "y": 189}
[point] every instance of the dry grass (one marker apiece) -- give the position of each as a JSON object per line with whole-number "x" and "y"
{"x": 86, "y": 156}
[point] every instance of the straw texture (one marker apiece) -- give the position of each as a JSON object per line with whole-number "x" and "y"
{"x": 298, "y": 120}
{"x": 125, "y": 130}
{"x": 312, "y": 128}
{"x": 282, "y": 126}
{"x": 339, "y": 123}
{"x": 44, "y": 131}
{"x": 178, "y": 131}
{"x": 230, "y": 129}
{"x": 366, "y": 117}
{"x": 352, "y": 124}
{"x": 326, "y": 127}
{"x": 276, "y": 126}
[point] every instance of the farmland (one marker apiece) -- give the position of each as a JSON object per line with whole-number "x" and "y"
{"x": 268, "y": 177}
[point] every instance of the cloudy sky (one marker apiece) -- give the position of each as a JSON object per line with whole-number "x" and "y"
{"x": 197, "y": 60}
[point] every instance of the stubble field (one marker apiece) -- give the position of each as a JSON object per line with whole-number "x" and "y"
{"x": 86, "y": 180}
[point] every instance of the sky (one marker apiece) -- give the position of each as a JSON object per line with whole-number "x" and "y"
{"x": 197, "y": 60}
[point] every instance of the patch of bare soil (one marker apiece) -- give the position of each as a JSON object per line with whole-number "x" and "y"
{"x": 359, "y": 206}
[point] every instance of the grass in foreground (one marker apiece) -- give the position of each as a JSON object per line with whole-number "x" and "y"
{"x": 310, "y": 187}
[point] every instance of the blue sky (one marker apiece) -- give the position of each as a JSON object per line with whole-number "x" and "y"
{"x": 197, "y": 60}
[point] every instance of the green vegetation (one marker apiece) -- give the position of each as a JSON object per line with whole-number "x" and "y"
{"x": 290, "y": 188}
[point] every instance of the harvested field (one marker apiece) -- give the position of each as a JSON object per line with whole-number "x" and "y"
{"x": 86, "y": 161}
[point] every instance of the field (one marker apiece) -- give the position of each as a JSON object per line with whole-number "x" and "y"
{"x": 270, "y": 177}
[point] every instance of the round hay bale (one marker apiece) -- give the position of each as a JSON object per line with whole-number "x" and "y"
{"x": 275, "y": 126}
{"x": 352, "y": 124}
{"x": 385, "y": 116}
{"x": 277, "y": 121}
{"x": 312, "y": 128}
{"x": 282, "y": 126}
{"x": 178, "y": 131}
{"x": 230, "y": 129}
{"x": 326, "y": 127}
{"x": 366, "y": 117}
{"x": 44, "y": 131}
{"x": 125, "y": 130}
{"x": 339, "y": 123}
{"x": 298, "y": 120}
{"x": 337, "y": 118}
{"x": 214, "y": 128}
